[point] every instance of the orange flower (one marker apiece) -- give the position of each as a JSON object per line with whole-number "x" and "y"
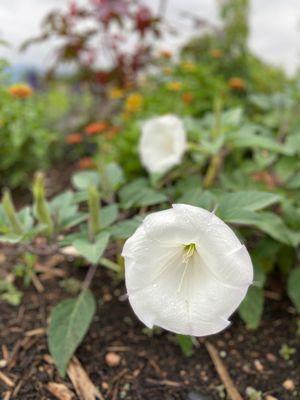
{"x": 133, "y": 103}
{"x": 112, "y": 132}
{"x": 187, "y": 97}
{"x": 20, "y": 90}
{"x": 74, "y": 138}
{"x": 216, "y": 53}
{"x": 86, "y": 163}
{"x": 166, "y": 54}
{"x": 174, "y": 86}
{"x": 95, "y": 128}
{"x": 237, "y": 84}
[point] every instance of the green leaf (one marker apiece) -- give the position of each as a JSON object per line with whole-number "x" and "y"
{"x": 293, "y": 287}
{"x": 115, "y": 175}
{"x": 186, "y": 344}
{"x": 83, "y": 179}
{"x": 249, "y": 200}
{"x": 138, "y": 194}
{"x": 267, "y": 222}
{"x": 92, "y": 251}
{"x": 108, "y": 215}
{"x": 199, "y": 198}
{"x": 69, "y": 322}
{"x": 252, "y": 306}
{"x": 245, "y": 139}
{"x": 124, "y": 229}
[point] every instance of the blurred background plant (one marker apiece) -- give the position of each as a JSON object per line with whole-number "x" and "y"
{"x": 242, "y": 121}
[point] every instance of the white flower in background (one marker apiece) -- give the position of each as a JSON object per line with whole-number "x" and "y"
{"x": 186, "y": 271}
{"x": 162, "y": 144}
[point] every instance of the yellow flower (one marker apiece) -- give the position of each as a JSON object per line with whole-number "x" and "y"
{"x": 188, "y": 66}
{"x": 133, "y": 103}
{"x": 20, "y": 90}
{"x": 216, "y": 53}
{"x": 116, "y": 93}
{"x": 167, "y": 71}
{"x": 174, "y": 86}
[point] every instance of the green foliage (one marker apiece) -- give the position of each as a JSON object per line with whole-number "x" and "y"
{"x": 186, "y": 344}
{"x": 251, "y": 308}
{"x": 293, "y": 287}
{"x": 27, "y": 142}
{"x": 69, "y": 322}
{"x": 92, "y": 251}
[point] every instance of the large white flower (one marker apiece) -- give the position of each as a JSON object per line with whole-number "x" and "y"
{"x": 162, "y": 144}
{"x": 186, "y": 271}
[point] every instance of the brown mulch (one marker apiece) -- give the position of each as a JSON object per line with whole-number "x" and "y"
{"x": 125, "y": 362}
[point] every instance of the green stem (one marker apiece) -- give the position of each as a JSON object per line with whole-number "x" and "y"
{"x": 41, "y": 205}
{"x": 11, "y": 213}
{"x": 94, "y": 212}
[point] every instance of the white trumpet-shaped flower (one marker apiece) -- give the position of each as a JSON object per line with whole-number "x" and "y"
{"x": 186, "y": 271}
{"x": 162, "y": 144}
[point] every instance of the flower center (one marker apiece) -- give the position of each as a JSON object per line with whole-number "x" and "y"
{"x": 189, "y": 250}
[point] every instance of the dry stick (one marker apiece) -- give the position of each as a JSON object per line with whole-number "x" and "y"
{"x": 222, "y": 372}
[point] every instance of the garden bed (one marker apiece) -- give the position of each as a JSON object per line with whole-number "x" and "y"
{"x": 147, "y": 366}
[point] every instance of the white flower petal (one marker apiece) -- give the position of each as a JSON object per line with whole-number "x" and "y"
{"x": 162, "y": 144}
{"x": 189, "y": 292}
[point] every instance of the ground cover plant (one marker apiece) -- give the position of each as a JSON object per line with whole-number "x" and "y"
{"x": 185, "y": 185}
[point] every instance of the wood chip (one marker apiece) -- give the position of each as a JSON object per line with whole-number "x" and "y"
{"x": 84, "y": 387}
{"x": 36, "y": 332}
{"x": 7, "y": 395}
{"x": 5, "y": 353}
{"x": 4, "y": 378}
{"x": 37, "y": 283}
{"x": 164, "y": 382}
{"x": 222, "y": 372}
{"x": 61, "y": 391}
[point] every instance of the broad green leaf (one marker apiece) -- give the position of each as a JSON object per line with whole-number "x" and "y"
{"x": 69, "y": 322}
{"x": 249, "y": 200}
{"x": 108, "y": 215}
{"x": 124, "y": 229}
{"x": 92, "y": 251}
{"x": 84, "y": 179}
{"x": 199, "y": 198}
{"x": 267, "y": 222}
{"x": 138, "y": 194}
{"x": 293, "y": 287}
{"x": 251, "y": 308}
{"x": 115, "y": 175}
{"x": 243, "y": 139}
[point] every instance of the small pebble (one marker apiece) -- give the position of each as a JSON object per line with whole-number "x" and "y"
{"x": 112, "y": 359}
{"x": 105, "y": 385}
{"x": 289, "y": 384}
{"x": 269, "y": 397}
{"x": 258, "y": 365}
{"x": 3, "y": 363}
{"x": 223, "y": 354}
{"x": 271, "y": 357}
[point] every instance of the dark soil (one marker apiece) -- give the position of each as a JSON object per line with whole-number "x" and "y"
{"x": 150, "y": 367}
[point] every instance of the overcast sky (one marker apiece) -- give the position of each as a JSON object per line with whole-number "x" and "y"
{"x": 275, "y": 27}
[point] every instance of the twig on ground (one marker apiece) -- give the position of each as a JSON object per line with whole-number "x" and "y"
{"x": 84, "y": 387}
{"x": 60, "y": 391}
{"x": 5, "y": 379}
{"x": 222, "y": 372}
